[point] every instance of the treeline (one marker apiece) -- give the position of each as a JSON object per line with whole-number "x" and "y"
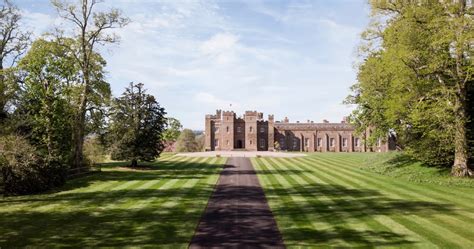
{"x": 416, "y": 80}
{"x": 54, "y": 97}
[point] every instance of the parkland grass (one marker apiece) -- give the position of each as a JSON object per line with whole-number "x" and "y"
{"x": 327, "y": 200}
{"x": 156, "y": 207}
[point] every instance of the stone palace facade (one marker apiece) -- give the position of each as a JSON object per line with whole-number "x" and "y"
{"x": 226, "y": 131}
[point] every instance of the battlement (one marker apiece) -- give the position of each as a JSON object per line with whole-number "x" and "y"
{"x": 271, "y": 117}
{"x": 251, "y": 113}
{"x": 228, "y": 113}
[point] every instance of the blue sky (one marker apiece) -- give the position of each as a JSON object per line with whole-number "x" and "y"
{"x": 288, "y": 58}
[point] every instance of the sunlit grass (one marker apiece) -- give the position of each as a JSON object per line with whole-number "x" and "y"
{"x": 327, "y": 200}
{"x": 118, "y": 207}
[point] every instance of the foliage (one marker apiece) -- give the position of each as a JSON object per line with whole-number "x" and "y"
{"x": 137, "y": 124}
{"x": 187, "y": 142}
{"x": 24, "y": 171}
{"x": 173, "y": 129}
{"x": 200, "y": 141}
{"x": 48, "y": 71}
{"x": 94, "y": 152}
{"x": 414, "y": 79}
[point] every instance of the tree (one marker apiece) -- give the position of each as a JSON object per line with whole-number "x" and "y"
{"x": 200, "y": 141}
{"x": 415, "y": 79}
{"x": 187, "y": 142}
{"x": 13, "y": 43}
{"x": 92, "y": 29}
{"x": 137, "y": 125}
{"x": 173, "y": 129}
{"x": 48, "y": 71}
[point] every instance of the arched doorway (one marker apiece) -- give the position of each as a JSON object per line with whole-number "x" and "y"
{"x": 239, "y": 144}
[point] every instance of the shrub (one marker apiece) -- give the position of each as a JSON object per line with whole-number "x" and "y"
{"x": 23, "y": 171}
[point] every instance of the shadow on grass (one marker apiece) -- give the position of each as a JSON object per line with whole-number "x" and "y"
{"x": 110, "y": 218}
{"x": 336, "y": 206}
{"x": 154, "y": 224}
{"x": 401, "y": 160}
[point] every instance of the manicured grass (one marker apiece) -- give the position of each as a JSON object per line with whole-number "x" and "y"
{"x": 160, "y": 206}
{"x": 326, "y": 200}
{"x": 399, "y": 165}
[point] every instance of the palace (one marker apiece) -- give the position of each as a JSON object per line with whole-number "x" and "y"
{"x": 226, "y": 131}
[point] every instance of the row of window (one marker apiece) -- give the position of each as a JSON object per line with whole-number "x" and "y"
{"x": 262, "y": 142}
{"x": 239, "y": 129}
{"x": 332, "y": 142}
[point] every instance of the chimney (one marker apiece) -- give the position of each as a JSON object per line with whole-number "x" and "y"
{"x": 325, "y": 121}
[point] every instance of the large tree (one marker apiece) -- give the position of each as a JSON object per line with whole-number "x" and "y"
{"x": 187, "y": 142}
{"x": 415, "y": 77}
{"x": 13, "y": 43}
{"x": 91, "y": 29}
{"x": 44, "y": 111}
{"x": 137, "y": 125}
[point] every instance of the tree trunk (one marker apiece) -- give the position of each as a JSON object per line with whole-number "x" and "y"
{"x": 134, "y": 163}
{"x": 79, "y": 131}
{"x": 460, "y": 167}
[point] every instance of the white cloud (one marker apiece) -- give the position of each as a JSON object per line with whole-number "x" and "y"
{"x": 197, "y": 56}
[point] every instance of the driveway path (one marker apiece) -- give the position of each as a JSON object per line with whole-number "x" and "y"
{"x": 237, "y": 215}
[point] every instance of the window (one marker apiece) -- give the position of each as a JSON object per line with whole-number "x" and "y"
{"x": 332, "y": 142}
{"x": 262, "y": 129}
{"x": 295, "y": 143}
{"x": 344, "y": 142}
{"x": 262, "y": 143}
{"x": 251, "y": 129}
{"x": 239, "y": 129}
{"x": 357, "y": 142}
{"x": 320, "y": 142}
{"x": 250, "y": 141}
{"x": 227, "y": 128}
{"x": 306, "y": 142}
{"x": 216, "y": 142}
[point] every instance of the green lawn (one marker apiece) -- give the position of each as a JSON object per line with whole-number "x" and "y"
{"x": 327, "y": 200}
{"x": 160, "y": 206}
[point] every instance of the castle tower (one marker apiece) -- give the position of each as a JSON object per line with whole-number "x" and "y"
{"x": 271, "y": 133}
{"x": 227, "y": 130}
{"x": 251, "y": 118}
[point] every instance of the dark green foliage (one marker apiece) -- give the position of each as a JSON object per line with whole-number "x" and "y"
{"x": 187, "y": 142}
{"x": 137, "y": 124}
{"x": 24, "y": 171}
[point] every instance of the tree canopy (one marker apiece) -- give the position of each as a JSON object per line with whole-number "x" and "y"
{"x": 137, "y": 125}
{"x": 415, "y": 79}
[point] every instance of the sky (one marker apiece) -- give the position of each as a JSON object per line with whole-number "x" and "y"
{"x": 290, "y": 58}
